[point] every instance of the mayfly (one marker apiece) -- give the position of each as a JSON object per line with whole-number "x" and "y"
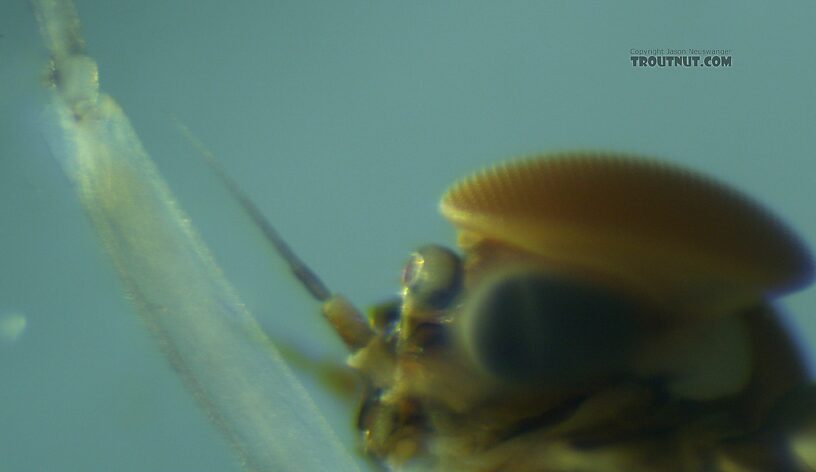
{"x": 605, "y": 313}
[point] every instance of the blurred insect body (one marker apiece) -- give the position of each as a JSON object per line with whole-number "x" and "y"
{"x": 608, "y": 313}
{"x": 605, "y": 313}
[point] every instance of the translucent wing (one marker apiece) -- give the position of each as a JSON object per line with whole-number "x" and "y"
{"x": 204, "y": 329}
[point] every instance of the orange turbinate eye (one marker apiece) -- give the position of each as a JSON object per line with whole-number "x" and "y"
{"x": 673, "y": 236}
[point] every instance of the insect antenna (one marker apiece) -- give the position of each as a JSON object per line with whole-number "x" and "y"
{"x": 346, "y": 320}
{"x": 301, "y": 271}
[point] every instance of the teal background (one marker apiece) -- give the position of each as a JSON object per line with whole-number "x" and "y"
{"x": 345, "y": 121}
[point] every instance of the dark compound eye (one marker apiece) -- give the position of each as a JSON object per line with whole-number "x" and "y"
{"x": 432, "y": 276}
{"x": 540, "y": 328}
